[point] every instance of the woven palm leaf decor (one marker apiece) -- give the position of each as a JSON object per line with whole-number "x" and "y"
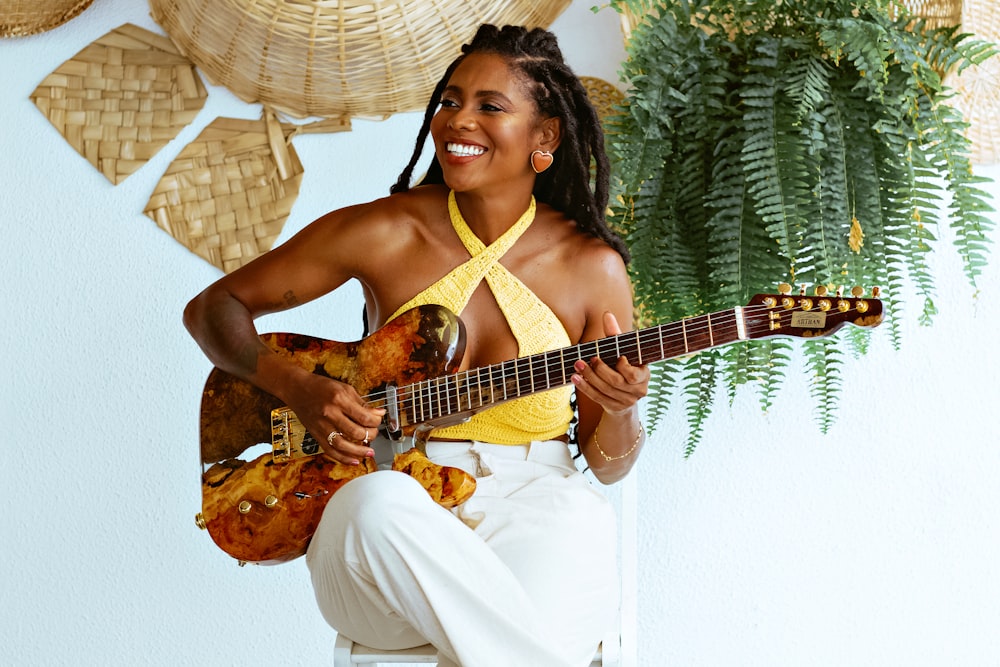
{"x": 20, "y": 18}
{"x": 121, "y": 99}
{"x": 327, "y": 59}
{"x": 229, "y": 192}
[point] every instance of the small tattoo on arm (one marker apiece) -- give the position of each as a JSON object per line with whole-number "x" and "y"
{"x": 290, "y": 299}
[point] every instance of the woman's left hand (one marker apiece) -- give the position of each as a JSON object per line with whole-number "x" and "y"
{"x": 617, "y": 389}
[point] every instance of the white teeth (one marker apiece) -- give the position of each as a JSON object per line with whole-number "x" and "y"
{"x": 463, "y": 149}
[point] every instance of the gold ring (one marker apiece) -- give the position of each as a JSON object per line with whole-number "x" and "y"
{"x": 333, "y": 436}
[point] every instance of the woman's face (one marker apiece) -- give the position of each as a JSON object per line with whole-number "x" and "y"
{"x": 486, "y": 126}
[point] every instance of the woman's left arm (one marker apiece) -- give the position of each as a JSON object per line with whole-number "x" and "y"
{"x": 610, "y": 431}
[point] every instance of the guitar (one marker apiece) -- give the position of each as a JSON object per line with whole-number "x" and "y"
{"x": 266, "y": 510}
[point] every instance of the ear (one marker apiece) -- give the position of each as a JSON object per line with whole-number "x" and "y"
{"x": 550, "y": 134}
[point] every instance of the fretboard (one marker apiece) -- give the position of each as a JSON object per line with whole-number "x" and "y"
{"x": 478, "y": 388}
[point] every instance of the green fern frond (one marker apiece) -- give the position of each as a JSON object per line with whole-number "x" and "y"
{"x": 662, "y": 385}
{"x": 699, "y": 393}
{"x": 768, "y": 360}
{"x": 801, "y": 141}
{"x": 824, "y": 358}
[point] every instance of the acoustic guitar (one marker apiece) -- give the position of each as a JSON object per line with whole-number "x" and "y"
{"x": 264, "y": 506}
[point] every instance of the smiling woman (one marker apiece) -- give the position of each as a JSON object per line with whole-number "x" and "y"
{"x": 511, "y": 237}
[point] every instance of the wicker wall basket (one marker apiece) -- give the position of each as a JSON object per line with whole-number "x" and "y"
{"x": 20, "y": 18}
{"x": 121, "y": 99}
{"x": 229, "y": 192}
{"x": 358, "y": 58}
{"x": 978, "y": 87}
{"x": 936, "y": 13}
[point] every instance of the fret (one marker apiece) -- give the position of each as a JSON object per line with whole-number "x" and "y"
{"x": 419, "y": 400}
{"x": 474, "y": 389}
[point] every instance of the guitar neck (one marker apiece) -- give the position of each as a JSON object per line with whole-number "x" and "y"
{"x": 470, "y": 391}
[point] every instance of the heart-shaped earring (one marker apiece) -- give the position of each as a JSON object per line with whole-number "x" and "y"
{"x": 541, "y": 160}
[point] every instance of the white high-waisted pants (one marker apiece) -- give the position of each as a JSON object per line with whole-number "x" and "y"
{"x": 523, "y": 573}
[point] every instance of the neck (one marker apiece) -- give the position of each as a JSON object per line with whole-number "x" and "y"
{"x": 489, "y": 217}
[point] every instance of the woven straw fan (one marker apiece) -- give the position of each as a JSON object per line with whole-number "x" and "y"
{"x": 228, "y": 194}
{"x": 328, "y": 59}
{"x": 20, "y": 18}
{"x": 121, "y": 99}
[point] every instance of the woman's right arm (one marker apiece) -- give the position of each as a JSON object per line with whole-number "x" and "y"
{"x": 221, "y": 320}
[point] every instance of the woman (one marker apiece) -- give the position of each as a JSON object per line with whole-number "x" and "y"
{"x": 506, "y": 231}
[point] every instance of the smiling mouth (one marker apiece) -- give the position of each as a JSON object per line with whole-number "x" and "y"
{"x": 464, "y": 150}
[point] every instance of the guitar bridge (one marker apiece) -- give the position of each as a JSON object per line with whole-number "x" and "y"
{"x": 289, "y": 438}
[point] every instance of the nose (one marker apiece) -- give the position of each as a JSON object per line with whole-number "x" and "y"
{"x": 462, "y": 120}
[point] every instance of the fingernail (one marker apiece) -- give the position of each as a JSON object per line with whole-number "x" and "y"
{"x": 580, "y": 365}
{"x": 370, "y": 454}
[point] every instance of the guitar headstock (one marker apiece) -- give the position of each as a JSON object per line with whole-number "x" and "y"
{"x": 810, "y": 316}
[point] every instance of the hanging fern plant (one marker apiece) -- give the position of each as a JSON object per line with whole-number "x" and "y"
{"x": 799, "y": 141}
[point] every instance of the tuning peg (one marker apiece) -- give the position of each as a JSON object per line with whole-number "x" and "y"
{"x": 821, "y": 290}
{"x": 876, "y": 291}
{"x": 857, "y": 292}
{"x": 784, "y": 288}
{"x": 840, "y": 291}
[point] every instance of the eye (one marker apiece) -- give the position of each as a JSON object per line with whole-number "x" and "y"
{"x": 491, "y": 108}
{"x": 449, "y": 103}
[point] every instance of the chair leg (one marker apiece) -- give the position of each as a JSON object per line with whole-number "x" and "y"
{"x": 342, "y": 651}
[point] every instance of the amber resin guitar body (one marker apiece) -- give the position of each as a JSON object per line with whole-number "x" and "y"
{"x": 266, "y": 511}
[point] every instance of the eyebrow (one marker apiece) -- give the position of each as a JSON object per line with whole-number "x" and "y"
{"x": 479, "y": 93}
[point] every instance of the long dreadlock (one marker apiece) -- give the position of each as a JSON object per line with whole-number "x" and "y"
{"x": 557, "y": 92}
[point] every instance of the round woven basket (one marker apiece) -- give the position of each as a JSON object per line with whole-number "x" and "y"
{"x": 936, "y": 13}
{"x": 977, "y": 88}
{"x": 307, "y": 58}
{"x": 19, "y": 18}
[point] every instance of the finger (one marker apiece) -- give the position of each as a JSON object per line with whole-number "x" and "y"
{"x": 603, "y": 385}
{"x": 339, "y": 448}
{"x": 611, "y": 326}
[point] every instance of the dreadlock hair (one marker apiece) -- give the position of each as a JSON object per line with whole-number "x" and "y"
{"x": 557, "y": 92}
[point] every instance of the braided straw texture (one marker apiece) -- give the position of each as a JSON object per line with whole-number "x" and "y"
{"x": 602, "y": 94}
{"x": 978, "y": 86}
{"x": 936, "y": 13}
{"x": 19, "y": 18}
{"x": 228, "y": 194}
{"x": 323, "y": 58}
{"x": 121, "y": 99}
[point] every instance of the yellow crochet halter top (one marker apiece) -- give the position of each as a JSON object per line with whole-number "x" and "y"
{"x": 540, "y": 416}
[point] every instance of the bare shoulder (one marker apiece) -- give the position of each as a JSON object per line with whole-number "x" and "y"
{"x": 581, "y": 276}
{"x": 389, "y": 219}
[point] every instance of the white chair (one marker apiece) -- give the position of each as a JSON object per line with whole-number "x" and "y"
{"x": 346, "y": 653}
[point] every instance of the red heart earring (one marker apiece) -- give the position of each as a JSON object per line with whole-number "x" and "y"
{"x": 541, "y": 160}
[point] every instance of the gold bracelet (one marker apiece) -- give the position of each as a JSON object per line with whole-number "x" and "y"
{"x": 622, "y": 456}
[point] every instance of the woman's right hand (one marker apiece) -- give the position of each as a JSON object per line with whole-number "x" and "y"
{"x": 337, "y": 417}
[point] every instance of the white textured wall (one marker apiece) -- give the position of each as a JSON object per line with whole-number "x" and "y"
{"x": 773, "y": 545}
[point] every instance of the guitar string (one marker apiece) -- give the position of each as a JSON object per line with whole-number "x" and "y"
{"x": 432, "y": 387}
{"x": 428, "y": 392}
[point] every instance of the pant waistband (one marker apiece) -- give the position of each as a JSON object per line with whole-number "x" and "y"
{"x": 547, "y": 452}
